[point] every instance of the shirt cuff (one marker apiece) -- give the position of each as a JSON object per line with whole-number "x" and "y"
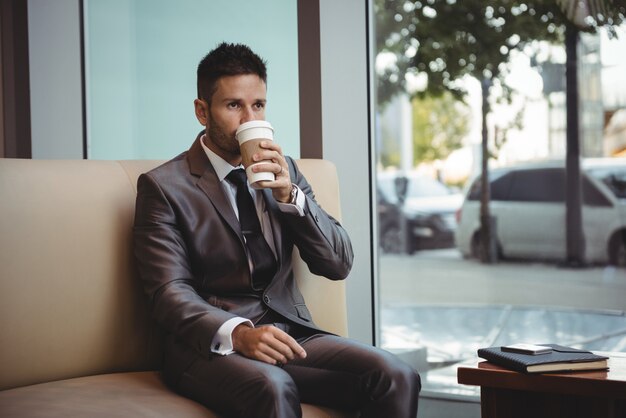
{"x": 222, "y": 342}
{"x": 298, "y": 207}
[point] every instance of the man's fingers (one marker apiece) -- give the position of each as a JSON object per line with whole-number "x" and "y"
{"x": 282, "y": 343}
{"x": 279, "y": 345}
{"x": 269, "y": 344}
{"x": 270, "y": 151}
{"x": 292, "y": 344}
{"x": 265, "y": 358}
{"x": 271, "y": 145}
{"x": 276, "y": 356}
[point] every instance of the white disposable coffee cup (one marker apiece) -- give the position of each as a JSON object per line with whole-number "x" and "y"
{"x": 249, "y": 135}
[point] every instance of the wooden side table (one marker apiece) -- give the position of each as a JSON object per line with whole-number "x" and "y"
{"x": 508, "y": 394}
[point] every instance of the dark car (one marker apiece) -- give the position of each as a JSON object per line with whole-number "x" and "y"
{"x": 425, "y": 219}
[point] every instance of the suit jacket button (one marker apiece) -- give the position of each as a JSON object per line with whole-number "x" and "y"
{"x": 266, "y": 299}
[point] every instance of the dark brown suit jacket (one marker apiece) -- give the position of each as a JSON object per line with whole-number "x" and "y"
{"x": 191, "y": 256}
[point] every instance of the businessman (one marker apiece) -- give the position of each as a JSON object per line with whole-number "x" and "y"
{"x": 214, "y": 256}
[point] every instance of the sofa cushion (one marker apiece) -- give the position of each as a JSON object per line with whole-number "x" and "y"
{"x": 137, "y": 395}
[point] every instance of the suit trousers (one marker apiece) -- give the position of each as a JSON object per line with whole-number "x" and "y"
{"x": 337, "y": 372}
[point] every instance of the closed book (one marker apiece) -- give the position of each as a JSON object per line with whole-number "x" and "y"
{"x": 560, "y": 359}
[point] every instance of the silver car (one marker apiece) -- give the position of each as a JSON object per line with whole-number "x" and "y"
{"x": 528, "y": 204}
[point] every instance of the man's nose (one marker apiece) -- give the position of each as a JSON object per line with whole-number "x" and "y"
{"x": 248, "y": 115}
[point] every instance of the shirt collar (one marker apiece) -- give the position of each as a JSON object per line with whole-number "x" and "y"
{"x": 221, "y": 166}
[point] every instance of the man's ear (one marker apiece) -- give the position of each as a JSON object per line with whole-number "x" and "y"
{"x": 202, "y": 111}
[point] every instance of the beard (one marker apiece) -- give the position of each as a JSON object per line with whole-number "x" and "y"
{"x": 222, "y": 139}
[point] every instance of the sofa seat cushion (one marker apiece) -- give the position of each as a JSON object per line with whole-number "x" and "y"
{"x": 136, "y": 394}
{"x": 139, "y": 394}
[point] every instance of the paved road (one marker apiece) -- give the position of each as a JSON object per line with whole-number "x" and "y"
{"x": 444, "y": 277}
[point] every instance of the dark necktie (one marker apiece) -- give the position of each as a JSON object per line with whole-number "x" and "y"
{"x": 262, "y": 257}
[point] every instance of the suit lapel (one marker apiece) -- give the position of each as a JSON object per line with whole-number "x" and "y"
{"x": 200, "y": 166}
{"x": 273, "y": 210}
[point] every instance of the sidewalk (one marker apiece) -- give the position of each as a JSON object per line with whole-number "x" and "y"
{"x": 444, "y": 277}
{"x": 437, "y": 301}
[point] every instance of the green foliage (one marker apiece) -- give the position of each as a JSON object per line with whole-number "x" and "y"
{"x": 448, "y": 39}
{"x": 390, "y": 150}
{"x": 588, "y": 15}
{"x": 439, "y": 125}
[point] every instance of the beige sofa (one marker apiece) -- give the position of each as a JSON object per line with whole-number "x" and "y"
{"x": 76, "y": 339}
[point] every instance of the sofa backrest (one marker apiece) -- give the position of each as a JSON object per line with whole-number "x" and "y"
{"x": 70, "y": 301}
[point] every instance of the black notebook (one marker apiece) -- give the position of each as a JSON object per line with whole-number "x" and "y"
{"x": 559, "y": 359}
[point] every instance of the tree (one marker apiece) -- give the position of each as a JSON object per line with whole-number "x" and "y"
{"x": 439, "y": 125}
{"x": 446, "y": 40}
{"x": 587, "y": 16}
{"x": 390, "y": 155}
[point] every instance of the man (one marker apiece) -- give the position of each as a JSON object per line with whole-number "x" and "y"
{"x": 246, "y": 347}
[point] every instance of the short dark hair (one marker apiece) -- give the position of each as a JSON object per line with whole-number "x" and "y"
{"x": 227, "y": 60}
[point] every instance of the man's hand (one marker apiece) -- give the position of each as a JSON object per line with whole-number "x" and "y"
{"x": 266, "y": 343}
{"x": 274, "y": 162}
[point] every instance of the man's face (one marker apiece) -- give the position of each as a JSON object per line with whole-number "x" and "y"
{"x": 237, "y": 99}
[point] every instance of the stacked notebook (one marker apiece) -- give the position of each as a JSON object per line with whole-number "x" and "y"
{"x": 556, "y": 359}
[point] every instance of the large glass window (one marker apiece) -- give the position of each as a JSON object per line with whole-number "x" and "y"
{"x": 441, "y": 69}
{"x": 141, "y": 57}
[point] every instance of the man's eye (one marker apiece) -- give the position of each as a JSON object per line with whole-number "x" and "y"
{"x": 233, "y": 105}
{"x": 260, "y": 105}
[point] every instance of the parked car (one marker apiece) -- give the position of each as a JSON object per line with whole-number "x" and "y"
{"x": 427, "y": 215}
{"x": 611, "y": 171}
{"x": 528, "y": 204}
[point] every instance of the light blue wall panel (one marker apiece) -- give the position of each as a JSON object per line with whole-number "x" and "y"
{"x": 141, "y": 69}
{"x": 55, "y": 79}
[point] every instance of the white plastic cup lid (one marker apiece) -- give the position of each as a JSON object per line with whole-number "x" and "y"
{"x": 254, "y": 129}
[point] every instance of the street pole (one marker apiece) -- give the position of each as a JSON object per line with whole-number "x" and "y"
{"x": 573, "y": 191}
{"x": 488, "y": 249}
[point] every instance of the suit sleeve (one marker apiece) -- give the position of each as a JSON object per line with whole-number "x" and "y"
{"x": 323, "y": 243}
{"x": 164, "y": 269}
